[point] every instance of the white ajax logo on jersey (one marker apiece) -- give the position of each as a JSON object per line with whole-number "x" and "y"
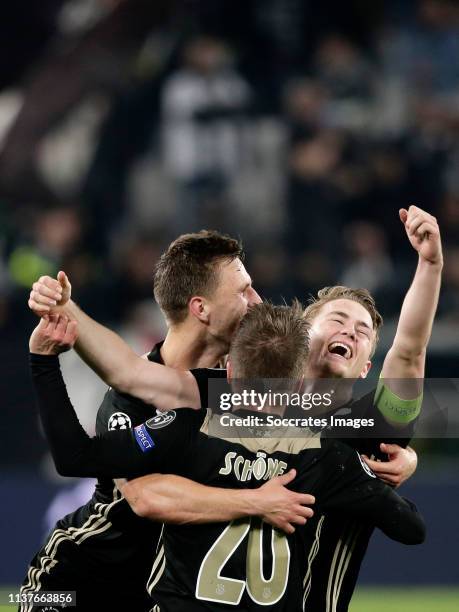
{"x": 162, "y": 419}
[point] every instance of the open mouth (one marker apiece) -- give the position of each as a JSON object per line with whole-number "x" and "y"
{"x": 341, "y": 349}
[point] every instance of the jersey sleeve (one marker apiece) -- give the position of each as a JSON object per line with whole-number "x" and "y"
{"x": 128, "y": 453}
{"x": 121, "y": 411}
{"x": 378, "y": 405}
{"x": 395, "y": 420}
{"x": 350, "y": 487}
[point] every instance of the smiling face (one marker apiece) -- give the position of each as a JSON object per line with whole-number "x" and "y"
{"x": 341, "y": 341}
{"x": 230, "y": 300}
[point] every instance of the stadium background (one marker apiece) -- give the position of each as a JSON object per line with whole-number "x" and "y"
{"x": 315, "y": 122}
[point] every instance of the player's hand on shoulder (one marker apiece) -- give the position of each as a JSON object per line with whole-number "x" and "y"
{"x": 281, "y": 507}
{"x": 423, "y": 233}
{"x": 49, "y": 294}
{"x": 54, "y": 334}
{"x": 400, "y": 466}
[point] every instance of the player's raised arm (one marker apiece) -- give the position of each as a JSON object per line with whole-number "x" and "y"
{"x": 173, "y": 499}
{"x": 117, "y": 453}
{"x": 110, "y": 357}
{"x": 406, "y": 357}
{"x": 134, "y": 453}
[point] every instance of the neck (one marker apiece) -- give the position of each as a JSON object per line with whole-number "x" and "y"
{"x": 186, "y": 347}
{"x": 341, "y": 389}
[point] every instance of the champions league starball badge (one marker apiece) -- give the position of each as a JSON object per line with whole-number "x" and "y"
{"x": 119, "y": 420}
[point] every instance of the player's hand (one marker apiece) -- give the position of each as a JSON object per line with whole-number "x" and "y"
{"x": 54, "y": 334}
{"x": 401, "y": 465}
{"x": 281, "y": 507}
{"x": 49, "y": 294}
{"x": 423, "y": 233}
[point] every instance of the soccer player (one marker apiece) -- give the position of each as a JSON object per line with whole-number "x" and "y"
{"x": 213, "y": 566}
{"x": 104, "y": 542}
{"x": 341, "y": 345}
{"x": 355, "y": 328}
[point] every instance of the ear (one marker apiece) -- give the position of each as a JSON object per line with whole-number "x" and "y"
{"x": 229, "y": 371}
{"x": 198, "y": 308}
{"x": 366, "y": 369}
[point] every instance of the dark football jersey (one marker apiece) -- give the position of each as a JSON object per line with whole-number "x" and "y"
{"x": 104, "y": 541}
{"x": 245, "y": 564}
{"x": 340, "y": 545}
{"x": 216, "y": 566}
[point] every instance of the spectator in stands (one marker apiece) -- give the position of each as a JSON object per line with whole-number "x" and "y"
{"x": 204, "y": 105}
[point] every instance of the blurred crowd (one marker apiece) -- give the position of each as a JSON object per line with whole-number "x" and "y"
{"x": 300, "y": 126}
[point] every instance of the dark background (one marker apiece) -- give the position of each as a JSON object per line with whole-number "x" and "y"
{"x": 300, "y": 126}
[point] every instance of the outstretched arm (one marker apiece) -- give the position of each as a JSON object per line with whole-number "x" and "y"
{"x": 134, "y": 453}
{"x": 110, "y": 357}
{"x": 406, "y": 357}
{"x": 173, "y": 499}
{"x": 120, "y": 453}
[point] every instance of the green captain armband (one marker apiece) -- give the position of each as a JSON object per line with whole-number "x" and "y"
{"x": 395, "y": 409}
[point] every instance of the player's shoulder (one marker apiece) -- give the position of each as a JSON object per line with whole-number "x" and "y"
{"x": 347, "y": 458}
{"x": 359, "y": 406}
{"x": 121, "y": 411}
{"x": 204, "y": 378}
{"x": 179, "y": 416}
{"x": 336, "y": 451}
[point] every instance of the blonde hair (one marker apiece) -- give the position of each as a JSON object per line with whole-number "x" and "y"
{"x": 271, "y": 342}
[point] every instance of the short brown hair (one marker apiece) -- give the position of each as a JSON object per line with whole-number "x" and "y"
{"x": 271, "y": 342}
{"x": 340, "y": 292}
{"x": 187, "y": 268}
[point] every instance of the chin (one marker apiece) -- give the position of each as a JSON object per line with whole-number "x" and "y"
{"x": 341, "y": 370}
{"x": 338, "y": 373}
{"x": 332, "y": 370}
